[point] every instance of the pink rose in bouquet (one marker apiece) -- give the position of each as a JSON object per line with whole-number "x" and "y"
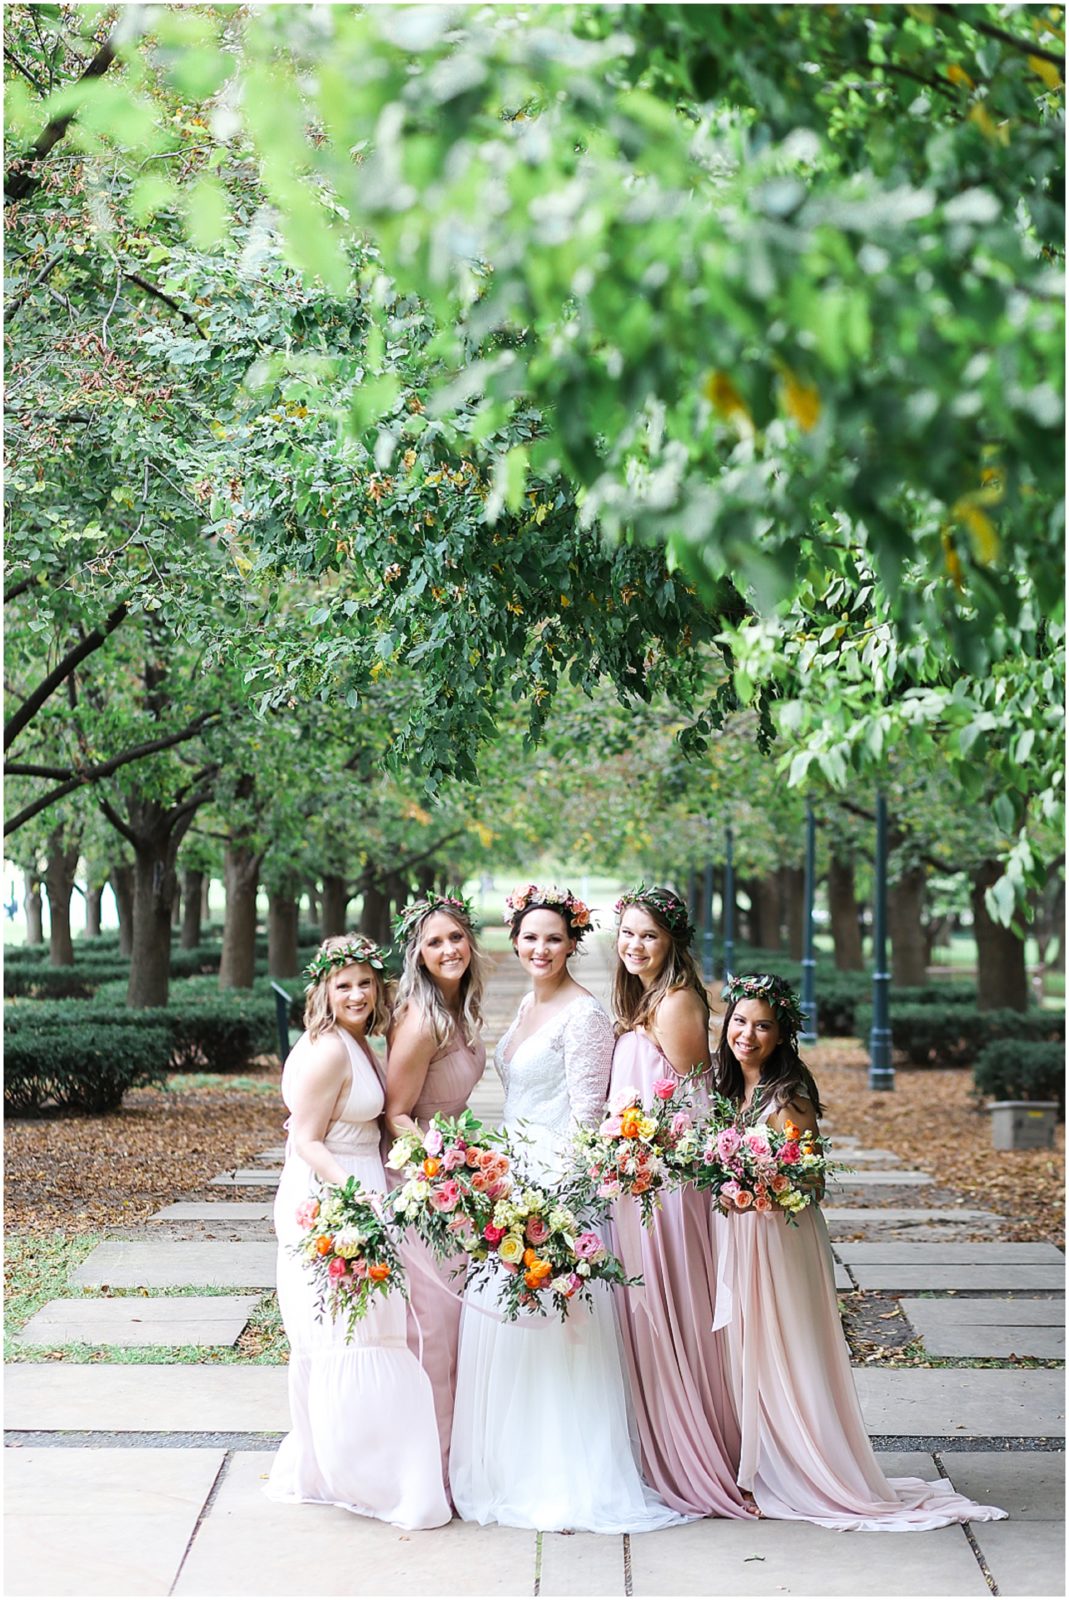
{"x": 612, "y": 1127}
{"x": 622, "y": 1099}
{"x": 492, "y": 1234}
{"x": 779, "y": 1182}
{"x": 790, "y": 1153}
{"x": 588, "y": 1247}
{"x": 433, "y": 1142}
{"x": 454, "y": 1157}
{"x": 307, "y": 1212}
{"x": 681, "y": 1123}
{"x": 537, "y": 1230}
{"x": 445, "y": 1196}
{"x": 338, "y": 1267}
{"x": 728, "y": 1141}
{"x": 664, "y": 1088}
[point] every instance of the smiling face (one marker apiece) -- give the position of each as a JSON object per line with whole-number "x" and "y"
{"x": 642, "y": 944}
{"x": 543, "y": 943}
{"x": 753, "y": 1034}
{"x": 444, "y": 949}
{"x": 353, "y": 992}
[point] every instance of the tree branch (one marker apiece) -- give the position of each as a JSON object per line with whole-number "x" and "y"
{"x": 18, "y": 182}
{"x": 366, "y": 879}
{"x": 27, "y": 769}
{"x": 1025, "y": 47}
{"x": 70, "y": 662}
{"x": 9, "y": 55}
{"x": 150, "y": 288}
{"x": 24, "y": 294}
{"x": 19, "y": 588}
{"x": 105, "y": 770}
{"x": 118, "y": 822}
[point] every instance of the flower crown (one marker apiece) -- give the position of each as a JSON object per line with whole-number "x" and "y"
{"x": 668, "y": 906}
{"x": 775, "y": 992}
{"x": 359, "y": 950}
{"x": 454, "y": 904}
{"x": 574, "y": 912}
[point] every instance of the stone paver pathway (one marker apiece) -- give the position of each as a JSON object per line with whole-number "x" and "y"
{"x": 146, "y": 1479}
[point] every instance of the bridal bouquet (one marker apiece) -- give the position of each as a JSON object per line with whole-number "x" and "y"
{"x": 752, "y": 1166}
{"x": 349, "y": 1251}
{"x": 548, "y": 1256}
{"x": 453, "y": 1180}
{"x": 639, "y": 1150}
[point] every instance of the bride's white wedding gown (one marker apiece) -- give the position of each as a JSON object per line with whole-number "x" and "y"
{"x": 542, "y": 1430}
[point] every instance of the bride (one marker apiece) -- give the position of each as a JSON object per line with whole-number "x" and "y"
{"x": 541, "y": 1430}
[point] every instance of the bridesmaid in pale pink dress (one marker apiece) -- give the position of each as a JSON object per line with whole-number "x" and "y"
{"x": 362, "y": 1412}
{"x": 435, "y": 1058}
{"x": 676, "y": 1364}
{"x": 805, "y": 1452}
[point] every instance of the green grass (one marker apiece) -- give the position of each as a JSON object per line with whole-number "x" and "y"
{"x": 36, "y": 1271}
{"x": 179, "y": 1082}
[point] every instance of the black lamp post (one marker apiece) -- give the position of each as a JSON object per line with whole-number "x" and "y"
{"x": 809, "y": 965}
{"x": 881, "y": 1072}
{"x": 729, "y": 903}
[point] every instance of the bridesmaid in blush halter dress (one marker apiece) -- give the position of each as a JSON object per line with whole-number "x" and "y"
{"x": 805, "y": 1451}
{"x": 434, "y": 1061}
{"x": 676, "y": 1364}
{"x": 363, "y": 1434}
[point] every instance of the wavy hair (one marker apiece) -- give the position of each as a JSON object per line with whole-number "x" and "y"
{"x": 418, "y": 990}
{"x": 633, "y": 1005}
{"x": 318, "y": 1011}
{"x": 784, "y": 1076}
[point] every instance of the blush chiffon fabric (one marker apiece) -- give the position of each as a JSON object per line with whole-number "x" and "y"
{"x": 805, "y": 1452}
{"x": 363, "y": 1432}
{"x": 677, "y": 1367}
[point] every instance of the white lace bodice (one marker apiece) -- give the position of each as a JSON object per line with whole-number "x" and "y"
{"x": 559, "y": 1075}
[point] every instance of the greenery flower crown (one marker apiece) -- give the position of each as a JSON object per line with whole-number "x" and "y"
{"x": 668, "y": 906}
{"x": 775, "y": 992}
{"x": 574, "y": 912}
{"x": 324, "y": 962}
{"x": 454, "y": 904}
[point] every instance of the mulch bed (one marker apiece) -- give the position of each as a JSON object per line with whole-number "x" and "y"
{"x": 82, "y": 1173}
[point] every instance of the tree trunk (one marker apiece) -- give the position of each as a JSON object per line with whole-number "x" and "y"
{"x": 425, "y": 880}
{"x": 313, "y": 904}
{"x": 206, "y": 902}
{"x": 282, "y": 918}
{"x": 241, "y": 871}
{"x": 93, "y": 906}
{"x": 1002, "y": 979}
{"x": 176, "y": 909}
{"x": 61, "y": 866}
{"x": 192, "y": 907}
{"x": 31, "y": 905}
{"x": 843, "y": 913}
{"x": 905, "y": 924}
{"x": 155, "y": 882}
{"x": 334, "y": 903}
{"x": 793, "y": 880}
{"x": 766, "y": 912}
{"x": 375, "y": 914}
{"x": 122, "y": 886}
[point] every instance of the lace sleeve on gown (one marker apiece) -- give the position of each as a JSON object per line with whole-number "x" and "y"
{"x": 587, "y": 1041}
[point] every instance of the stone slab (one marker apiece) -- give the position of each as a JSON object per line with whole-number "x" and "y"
{"x": 249, "y": 1545}
{"x": 277, "y": 1152}
{"x": 715, "y": 1557}
{"x": 145, "y": 1399}
{"x": 907, "y": 1178}
{"x": 843, "y": 1280}
{"x": 131, "y": 1320}
{"x": 109, "y": 1522}
{"x": 176, "y": 1263}
{"x": 245, "y": 1179}
{"x": 581, "y": 1563}
{"x": 990, "y": 1328}
{"x": 989, "y": 1313}
{"x": 892, "y": 1279}
{"x": 962, "y": 1402}
{"x": 976, "y": 1251}
{"x": 886, "y": 1157}
{"x": 1029, "y": 1484}
{"x": 1024, "y": 1558}
{"x": 216, "y": 1211}
{"x": 903, "y": 1216}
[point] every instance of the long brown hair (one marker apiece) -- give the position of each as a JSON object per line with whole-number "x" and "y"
{"x": 784, "y": 1076}
{"x": 635, "y": 1006}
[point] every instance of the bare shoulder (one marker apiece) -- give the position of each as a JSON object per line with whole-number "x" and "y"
{"x": 801, "y": 1112}
{"x": 320, "y": 1060}
{"x": 679, "y": 1008}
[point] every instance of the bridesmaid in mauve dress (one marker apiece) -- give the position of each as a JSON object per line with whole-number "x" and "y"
{"x": 806, "y": 1454}
{"x": 363, "y": 1427}
{"x": 435, "y": 1059}
{"x": 677, "y": 1366}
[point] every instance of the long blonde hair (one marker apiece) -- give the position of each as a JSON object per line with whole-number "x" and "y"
{"x": 635, "y": 1006}
{"x": 418, "y": 989}
{"x": 318, "y": 1011}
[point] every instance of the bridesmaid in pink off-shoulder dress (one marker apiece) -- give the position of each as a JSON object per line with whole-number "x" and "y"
{"x": 677, "y": 1365}
{"x": 434, "y": 1061}
{"x": 805, "y": 1452}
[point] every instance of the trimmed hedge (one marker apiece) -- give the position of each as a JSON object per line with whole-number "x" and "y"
{"x": 1022, "y": 1069}
{"x": 80, "y": 1066}
{"x": 32, "y": 977}
{"x": 945, "y": 1035}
